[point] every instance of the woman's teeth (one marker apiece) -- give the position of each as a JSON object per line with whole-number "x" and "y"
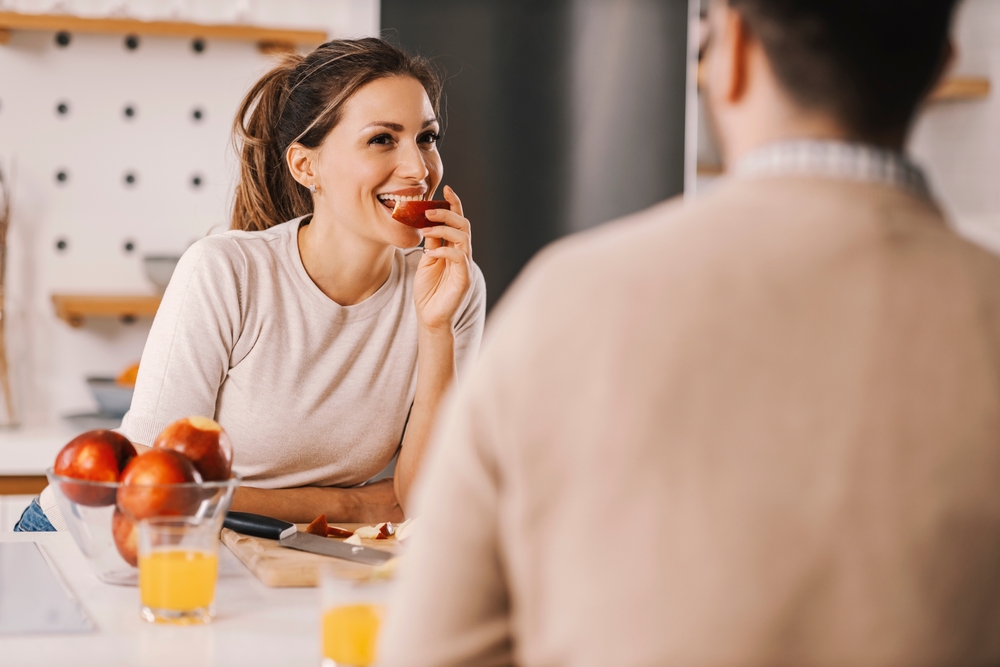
{"x": 394, "y": 198}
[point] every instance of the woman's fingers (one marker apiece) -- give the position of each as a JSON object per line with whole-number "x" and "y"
{"x": 450, "y": 234}
{"x": 450, "y": 218}
{"x": 452, "y": 198}
{"x": 431, "y": 243}
{"x": 447, "y": 253}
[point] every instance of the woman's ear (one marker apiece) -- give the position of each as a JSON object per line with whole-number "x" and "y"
{"x": 302, "y": 164}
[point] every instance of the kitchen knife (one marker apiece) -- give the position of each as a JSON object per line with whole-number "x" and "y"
{"x": 289, "y": 536}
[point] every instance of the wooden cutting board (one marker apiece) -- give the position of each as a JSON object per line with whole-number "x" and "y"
{"x": 278, "y": 566}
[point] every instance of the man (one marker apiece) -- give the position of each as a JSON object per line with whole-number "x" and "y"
{"x": 759, "y": 429}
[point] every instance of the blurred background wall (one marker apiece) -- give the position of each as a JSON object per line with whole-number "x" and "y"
{"x": 119, "y": 149}
{"x": 560, "y": 114}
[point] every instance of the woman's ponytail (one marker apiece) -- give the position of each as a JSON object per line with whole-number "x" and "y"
{"x": 300, "y": 100}
{"x": 266, "y": 193}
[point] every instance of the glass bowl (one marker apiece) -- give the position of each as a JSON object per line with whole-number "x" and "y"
{"x": 89, "y": 509}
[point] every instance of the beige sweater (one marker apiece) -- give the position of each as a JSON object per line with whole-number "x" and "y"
{"x": 763, "y": 429}
{"x": 311, "y": 392}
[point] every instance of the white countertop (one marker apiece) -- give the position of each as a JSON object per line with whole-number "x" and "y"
{"x": 254, "y": 625}
{"x": 30, "y": 450}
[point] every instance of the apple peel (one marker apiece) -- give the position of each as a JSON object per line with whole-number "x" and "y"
{"x": 414, "y": 213}
{"x": 334, "y": 531}
{"x": 318, "y": 526}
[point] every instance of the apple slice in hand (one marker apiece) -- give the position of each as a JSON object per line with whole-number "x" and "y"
{"x": 413, "y": 213}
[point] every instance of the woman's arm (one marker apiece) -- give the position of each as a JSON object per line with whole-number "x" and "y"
{"x": 192, "y": 341}
{"x": 435, "y": 371}
{"x": 440, "y": 288}
{"x": 372, "y": 503}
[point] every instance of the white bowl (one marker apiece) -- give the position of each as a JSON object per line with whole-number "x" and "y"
{"x": 88, "y": 508}
{"x": 112, "y": 398}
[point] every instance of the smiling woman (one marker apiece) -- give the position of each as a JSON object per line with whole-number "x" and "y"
{"x": 299, "y": 330}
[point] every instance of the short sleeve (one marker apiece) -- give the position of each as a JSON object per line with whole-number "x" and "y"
{"x": 187, "y": 354}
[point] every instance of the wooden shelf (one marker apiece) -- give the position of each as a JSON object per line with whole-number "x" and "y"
{"x": 961, "y": 88}
{"x": 75, "y": 308}
{"x": 952, "y": 89}
{"x": 710, "y": 170}
{"x": 267, "y": 39}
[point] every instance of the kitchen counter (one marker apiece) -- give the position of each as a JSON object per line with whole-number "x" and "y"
{"x": 25, "y": 453}
{"x": 29, "y": 451}
{"x": 254, "y": 625}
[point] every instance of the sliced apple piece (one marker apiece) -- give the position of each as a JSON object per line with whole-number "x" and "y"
{"x": 414, "y": 213}
{"x": 334, "y": 531}
{"x": 318, "y": 526}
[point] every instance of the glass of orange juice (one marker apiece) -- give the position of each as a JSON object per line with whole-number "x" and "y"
{"x": 178, "y": 566}
{"x": 353, "y": 610}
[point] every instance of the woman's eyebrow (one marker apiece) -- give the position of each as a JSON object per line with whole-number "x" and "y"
{"x": 396, "y": 127}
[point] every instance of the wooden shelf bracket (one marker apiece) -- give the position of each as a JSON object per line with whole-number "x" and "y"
{"x": 75, "y": 308}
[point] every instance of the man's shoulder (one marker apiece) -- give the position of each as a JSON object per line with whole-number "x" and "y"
{"x": 640, "y": 241}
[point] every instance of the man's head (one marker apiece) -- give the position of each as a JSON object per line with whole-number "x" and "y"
{"x": 853, "y": 69}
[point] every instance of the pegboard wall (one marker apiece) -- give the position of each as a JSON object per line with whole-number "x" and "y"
{"x": 119, "y": 147}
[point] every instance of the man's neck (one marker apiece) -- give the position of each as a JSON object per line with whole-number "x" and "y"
{"x": 783, "y": 121}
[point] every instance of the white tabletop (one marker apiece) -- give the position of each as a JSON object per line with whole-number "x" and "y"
{"x": 254, "y": 625}
{"x": 30, "y": 450}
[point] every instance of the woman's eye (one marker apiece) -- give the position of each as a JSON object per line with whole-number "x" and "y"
{"x": 429, "y": 138}
{"x": 381, "y": 139}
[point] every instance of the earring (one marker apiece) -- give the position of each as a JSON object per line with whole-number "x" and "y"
{"x": 312, "y": 188}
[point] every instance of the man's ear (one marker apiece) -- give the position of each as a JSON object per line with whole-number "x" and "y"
{"x": 740, "y": 54}
{"x": 729, "y": 53}
{"x": 302, "y": 164}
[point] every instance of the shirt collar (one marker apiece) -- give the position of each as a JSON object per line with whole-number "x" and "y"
{"x": 835, "y": 159}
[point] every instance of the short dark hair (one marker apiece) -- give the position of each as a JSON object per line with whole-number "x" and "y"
{"x": 869, "y": 63}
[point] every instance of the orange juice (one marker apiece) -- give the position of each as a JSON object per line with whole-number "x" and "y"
{"x": 177, "y": 579}
{"x": 349, "y": 634}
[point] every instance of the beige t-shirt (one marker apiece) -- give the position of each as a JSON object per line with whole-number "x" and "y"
{"x": 311, "y": 392}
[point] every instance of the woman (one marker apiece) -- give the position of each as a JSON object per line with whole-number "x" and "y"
{"x": 317, "y": 332}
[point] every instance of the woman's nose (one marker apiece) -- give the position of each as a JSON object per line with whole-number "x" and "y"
{"x": 411, "y": 163}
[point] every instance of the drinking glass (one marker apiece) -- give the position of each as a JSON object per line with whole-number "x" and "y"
{"x": 178, "y": 566}
{"x": 352, "y": 613}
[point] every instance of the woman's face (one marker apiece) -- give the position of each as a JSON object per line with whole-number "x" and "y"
{"x": 384, "y": 147}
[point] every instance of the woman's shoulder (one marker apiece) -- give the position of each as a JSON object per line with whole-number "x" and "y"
{"x": 236, "y": 248}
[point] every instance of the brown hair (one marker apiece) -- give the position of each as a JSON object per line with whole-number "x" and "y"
{"x": 301, "y": 100}
{"x": 869, "y": 63}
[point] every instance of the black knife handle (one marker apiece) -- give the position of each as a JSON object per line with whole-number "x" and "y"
{"x": 257, "y": 525}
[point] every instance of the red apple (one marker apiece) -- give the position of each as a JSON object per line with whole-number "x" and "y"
{"x": 146, "y": 486}
{"x": 94, "y": 456}
{"x": 414, "y": 213}
{"x": 126, "y": 537}
{"x": 204, "y": 442}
